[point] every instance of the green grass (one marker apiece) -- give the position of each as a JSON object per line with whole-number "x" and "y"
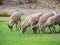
{"x": 17, "y": 38}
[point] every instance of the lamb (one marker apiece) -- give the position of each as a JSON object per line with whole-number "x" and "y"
{"x": 43, "y": 19}
{"x": 14, "y": 18}
{"x": 30, "y": 21}
{"x": 52, "y": 21}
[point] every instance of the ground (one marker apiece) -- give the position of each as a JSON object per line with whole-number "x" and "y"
{"x": 17, "y": 38}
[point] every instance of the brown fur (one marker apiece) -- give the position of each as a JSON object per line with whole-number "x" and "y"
{"x": 52, "y": 21}
{"x": 43, "y": 19}
{"x": 30, "y": 21}
{"x": 14, "y": 18}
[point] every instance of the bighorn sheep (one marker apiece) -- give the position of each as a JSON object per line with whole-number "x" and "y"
{"x": 30, "y": 21}
{"x": 43, "y": 19}
{"x": 52, "y": 21}
{"x": 14, "y": 18}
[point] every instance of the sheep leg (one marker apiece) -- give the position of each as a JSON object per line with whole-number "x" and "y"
{"x": 40, "y": 31}
{"x": 34, "y": 30}
{"x": 50, "y": 29}
{"x": 53, "y": 29}
{"x": 59, "y": 27}
{"x": 20, "y": 23}
{"x": 20, "y": 20}
{"x": 18, "y": 27}
{"x": 16, "y": 24}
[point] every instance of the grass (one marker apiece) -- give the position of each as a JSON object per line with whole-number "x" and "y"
{"x": 17, "y": 38}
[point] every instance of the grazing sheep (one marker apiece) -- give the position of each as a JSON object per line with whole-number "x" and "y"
{"x": 14, "y": 18}
{"x": 43, "y": 19}
{"x": 52, "y": 21}
{"x": 30, "y": 21}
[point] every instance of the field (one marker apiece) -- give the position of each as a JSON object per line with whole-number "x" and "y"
{"x": 17, "y": 38}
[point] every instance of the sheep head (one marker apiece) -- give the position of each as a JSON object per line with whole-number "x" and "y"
{"x": 22, "y": 29}
{"x": 10, "y": 27}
